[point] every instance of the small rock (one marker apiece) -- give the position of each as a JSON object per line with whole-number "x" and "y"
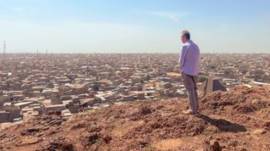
{"x": 30, "y": 131}
{"x": 259, "y": 131}
{"x": 216, "y": 146}
{"x": 92, "y": 138}
{"x": 107, "y": 139}
{"x": 212, "y": 146}
{"x": 145, "y": 110}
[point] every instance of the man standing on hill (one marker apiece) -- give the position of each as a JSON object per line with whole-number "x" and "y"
{"x": 189, "y": 67}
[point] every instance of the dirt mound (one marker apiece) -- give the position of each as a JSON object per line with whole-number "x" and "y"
{"x": 232, "y": 120}
{"x": 241, "y": 98}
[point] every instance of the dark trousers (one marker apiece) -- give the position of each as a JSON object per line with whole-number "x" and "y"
{"x": 191, "y": 87}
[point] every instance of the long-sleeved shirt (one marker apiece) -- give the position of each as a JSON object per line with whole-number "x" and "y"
{"x": 189, "y": 59}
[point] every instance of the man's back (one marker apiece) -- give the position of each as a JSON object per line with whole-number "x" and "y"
{"x": 190, "y": 58}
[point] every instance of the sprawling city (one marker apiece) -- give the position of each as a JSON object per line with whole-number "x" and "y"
{"x": 64, "y": 85}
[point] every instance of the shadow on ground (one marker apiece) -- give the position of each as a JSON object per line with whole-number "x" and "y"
{"x": 223, "y": 125}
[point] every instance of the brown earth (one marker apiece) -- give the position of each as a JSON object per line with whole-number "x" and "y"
{"x": 235, "y": 120}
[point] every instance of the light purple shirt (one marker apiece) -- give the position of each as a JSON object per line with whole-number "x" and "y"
{"x": 189, "y": 59}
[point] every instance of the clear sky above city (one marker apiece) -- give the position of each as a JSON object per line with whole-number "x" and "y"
{"x": 86, "y": 26}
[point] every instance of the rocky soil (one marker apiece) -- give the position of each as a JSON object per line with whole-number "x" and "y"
{"x": 235, "y": 120}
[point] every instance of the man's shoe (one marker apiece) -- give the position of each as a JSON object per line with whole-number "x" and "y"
{"x": 188, "y": 112}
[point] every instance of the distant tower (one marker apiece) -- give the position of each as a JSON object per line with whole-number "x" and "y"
{"x": 121, "y": 60}
{"x": 149, "y": 62}
{"x": 139, "y": 62}
{"x": 4, "y": 47}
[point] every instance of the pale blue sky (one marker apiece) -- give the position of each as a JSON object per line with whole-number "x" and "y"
{"x": 134, "y": 25}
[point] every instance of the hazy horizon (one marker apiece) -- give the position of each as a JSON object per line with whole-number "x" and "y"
{"x": 125, "y": 26}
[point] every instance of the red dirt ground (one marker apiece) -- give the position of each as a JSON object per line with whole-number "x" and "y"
{"x": 236, "y": 120}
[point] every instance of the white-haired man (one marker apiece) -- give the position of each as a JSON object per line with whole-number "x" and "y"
{"x": 189, "y": 66}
